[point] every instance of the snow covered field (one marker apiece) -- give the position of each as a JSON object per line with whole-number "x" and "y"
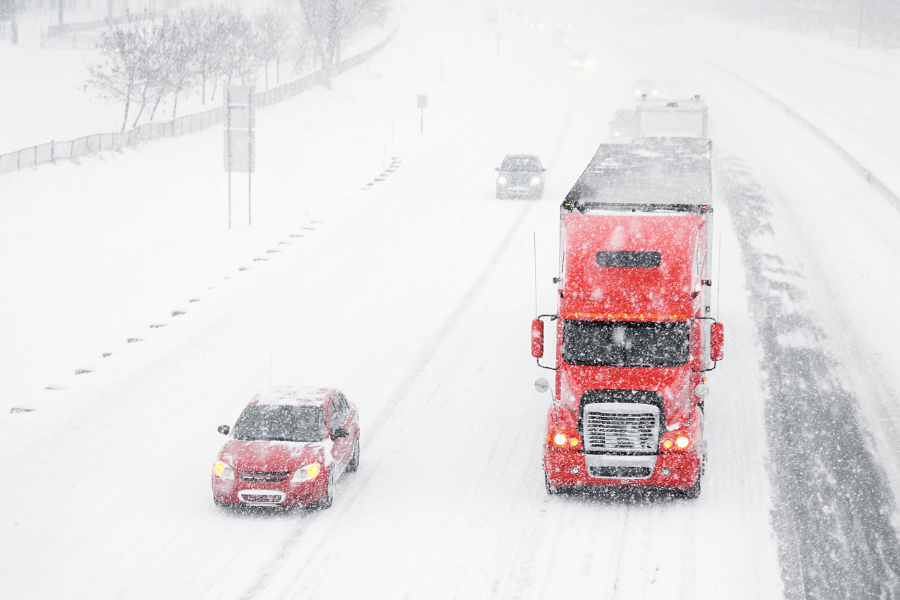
{"x": 414, "y": 295}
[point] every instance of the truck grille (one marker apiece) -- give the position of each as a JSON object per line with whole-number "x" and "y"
{"x": 614, "y": 426}
{"x": 264, "y": 476}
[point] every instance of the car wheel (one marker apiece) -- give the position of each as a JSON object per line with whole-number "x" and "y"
{"x": 693, "y": 492}
{"x": 551, "y": 489}
{"x": 354, "y": 458}
{"x": 328, "y": 498}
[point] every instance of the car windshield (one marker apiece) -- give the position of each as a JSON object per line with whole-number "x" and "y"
{"x": 520, "y": 163}
{"x": 617, "y": 344}
{"x": 282, "y": 423}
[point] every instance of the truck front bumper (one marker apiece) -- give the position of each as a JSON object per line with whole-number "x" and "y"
{"x": 666, "y": 470}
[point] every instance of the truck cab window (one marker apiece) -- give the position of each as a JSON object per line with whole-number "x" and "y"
{"x": 625, "y": 344}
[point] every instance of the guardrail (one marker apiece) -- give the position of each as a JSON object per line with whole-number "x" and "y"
{"x": 99, "y": 142}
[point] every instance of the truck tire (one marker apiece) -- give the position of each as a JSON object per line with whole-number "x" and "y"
{"x": 693, "y": 492}
{"x": 353, "y": 465}
{"x": 551, "y": 489}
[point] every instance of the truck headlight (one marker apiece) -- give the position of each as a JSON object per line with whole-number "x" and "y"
{"x": 536, "y": 181}
{"x": 501, "y": 180}
{"x": 306, "y": 473}
{"x": 682, "y": 441}
{"x": 223, "y": 470}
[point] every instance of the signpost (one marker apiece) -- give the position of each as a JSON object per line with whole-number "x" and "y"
{"x": 422, "y": 103}
{"x": 240, "y": 141}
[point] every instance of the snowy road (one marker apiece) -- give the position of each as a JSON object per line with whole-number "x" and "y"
{"x": 414, "y": 297}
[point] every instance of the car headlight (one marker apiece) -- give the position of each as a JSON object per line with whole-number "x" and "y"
{"x": 223, "y": 469}
{"x": 588, "y": 64}
{"x": 637, "y": 93}
{"x": 574, "y": 63}
{"x": 655, "y": 93}
{"x": 307, "y": 473}
{"x": 536, "y": 181}
{"x": 501, "y": 180}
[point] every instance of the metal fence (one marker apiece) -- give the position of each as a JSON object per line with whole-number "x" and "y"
{"x": 98, "y": 142}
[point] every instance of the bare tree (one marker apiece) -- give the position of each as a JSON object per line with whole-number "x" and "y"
{"x": 120, "y": 73}
{"x": 274, "y": 38}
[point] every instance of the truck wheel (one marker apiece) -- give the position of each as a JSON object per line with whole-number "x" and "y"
{"x": 328, "y": 499}
{"x": 693, "y": 492}
{"x": 354, "y": 459}
{"x": 551, "y": 489}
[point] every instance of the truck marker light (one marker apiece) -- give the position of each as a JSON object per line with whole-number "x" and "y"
{"x": 559, "y": 439}
{"x": 682, "y": 442}
{"x": 575, "y": 470}
{"x": 667, "y": 444}
{"x": 666, "y": 472}
{"x": 573, "y": 442}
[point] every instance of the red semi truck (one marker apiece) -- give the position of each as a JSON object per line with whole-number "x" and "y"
{"x": 634, "y": 335}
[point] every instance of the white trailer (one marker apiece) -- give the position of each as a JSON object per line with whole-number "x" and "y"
{"x": 672, "y": 118}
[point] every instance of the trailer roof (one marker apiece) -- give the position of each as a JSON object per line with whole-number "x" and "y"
{"x": 650, "y": 174}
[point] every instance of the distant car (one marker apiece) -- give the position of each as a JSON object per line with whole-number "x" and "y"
{"x": 645, "y": 86}
{"x": 559, "y": 37}
{"x": 289, "y": 447}
{"x": 624, "y": 125}
{"x": 521, "y": 176}
{"x": 582, "y": 61}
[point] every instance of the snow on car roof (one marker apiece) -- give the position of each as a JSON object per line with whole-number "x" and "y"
{"x": 286, "y": 394}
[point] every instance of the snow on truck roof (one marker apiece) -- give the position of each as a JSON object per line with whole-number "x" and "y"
{"x": 648, "y": 172}
{"x": 285, "y": 394}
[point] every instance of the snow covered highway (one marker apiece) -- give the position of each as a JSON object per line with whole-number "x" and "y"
{"x": 411, "y": 289}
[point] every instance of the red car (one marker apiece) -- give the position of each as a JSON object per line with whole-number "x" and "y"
{"x": 288, "y": 447}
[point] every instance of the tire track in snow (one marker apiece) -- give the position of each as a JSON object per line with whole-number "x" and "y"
{"x": 832, "y": 503}
{"x": 427, "y": 352}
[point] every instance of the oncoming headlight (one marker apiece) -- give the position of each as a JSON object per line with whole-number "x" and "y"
{"x": 536, "y": 181}
{"x": 501, "y": 180}
{"x": 588, "y": 63}
{"x": 307, "y": 473}
{"x": 223, "y": 470}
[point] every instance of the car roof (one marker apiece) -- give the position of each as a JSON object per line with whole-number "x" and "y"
{"x": 521, "y": 156}
{"x": 293, "y": 395}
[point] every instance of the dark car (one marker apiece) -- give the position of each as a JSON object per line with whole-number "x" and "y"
{"x": 521, "y": 176}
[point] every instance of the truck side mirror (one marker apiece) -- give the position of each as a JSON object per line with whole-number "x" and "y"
{"x": 224, "y": 429}
{"x": 716, "y": 341}
{"x": 537, "y": 338}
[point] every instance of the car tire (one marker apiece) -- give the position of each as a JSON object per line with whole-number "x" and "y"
{"x": 328, "y": 499}
{"x": 551, "y": 489}
{"x": 353, "y": 465}
{"x": 693, "y": 492}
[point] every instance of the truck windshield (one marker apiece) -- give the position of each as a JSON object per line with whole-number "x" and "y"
{"x": 281, "y": 423}
{"x": 618, "y": 344}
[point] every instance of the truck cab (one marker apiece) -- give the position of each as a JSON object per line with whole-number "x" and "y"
{"x": 634, "y": 337}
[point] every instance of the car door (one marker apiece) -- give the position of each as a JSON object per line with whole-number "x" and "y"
{"x": 342, "y": 447}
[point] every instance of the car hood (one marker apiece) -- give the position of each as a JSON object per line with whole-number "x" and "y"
{"x": 245, "y": 455}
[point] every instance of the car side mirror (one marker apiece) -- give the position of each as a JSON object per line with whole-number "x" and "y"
{"x": 541, "y": 385}
{"x": 339, "y": 433}
{"x": 496, "y": 168}
{"x": 717, "y": 341}
{"x": 224, "y": 429}
{"x": 537, "y": 338}
{"x": 542, "y": 170}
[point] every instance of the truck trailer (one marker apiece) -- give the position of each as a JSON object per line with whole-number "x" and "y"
{"x": 634, "y": 332}
{"x": 657, "y": 117}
